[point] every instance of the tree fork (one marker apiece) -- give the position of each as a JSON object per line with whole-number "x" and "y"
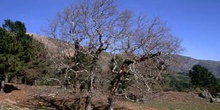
{"x": 125, "y": 68}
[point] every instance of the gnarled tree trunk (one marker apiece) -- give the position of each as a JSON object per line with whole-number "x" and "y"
{"x": 2, "y": 86}
{"x": 110, "y": 103}
{"x": 88, "y": 103}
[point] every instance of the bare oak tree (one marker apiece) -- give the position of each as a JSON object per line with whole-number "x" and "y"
{"x": 92, "y": 27}
{"x": 147, "y": 47}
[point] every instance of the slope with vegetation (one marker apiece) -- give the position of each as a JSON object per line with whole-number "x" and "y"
{"x": 187, "y": 63}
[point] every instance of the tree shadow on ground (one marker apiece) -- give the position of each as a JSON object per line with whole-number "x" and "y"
{"x": 54, "y": 103}
{"x": 9, "y": 88}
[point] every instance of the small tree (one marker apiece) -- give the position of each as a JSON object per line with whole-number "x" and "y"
{"x": 16, "y": 51}
{"x": 202, "y": 78}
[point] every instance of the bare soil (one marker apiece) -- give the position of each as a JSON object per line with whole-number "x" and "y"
{"x": 54, "y": 98}
{"x": 24, "y": 97}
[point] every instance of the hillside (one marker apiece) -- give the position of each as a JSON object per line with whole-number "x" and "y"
{"x": 186, "y": 63}
{"x": 53, "y": 46}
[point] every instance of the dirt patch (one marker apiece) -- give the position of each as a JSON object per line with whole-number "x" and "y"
{"x": 51, "y": 97}
{"x": 15, "y": 96}
{"x": 181, "y": 97}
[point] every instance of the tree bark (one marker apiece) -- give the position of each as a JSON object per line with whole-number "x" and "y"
{"x": 124, "y": 70}
{"x": 88, "y": 103}
{"x": 6, "y": 78}
{"x": 110, "y": 103}
{"x": 2, "y": 86}
{"x": 77, "y": 103}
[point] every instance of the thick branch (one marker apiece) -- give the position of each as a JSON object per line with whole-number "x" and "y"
{"x": 145, "y": 57}
{"x": 125, "y": 68}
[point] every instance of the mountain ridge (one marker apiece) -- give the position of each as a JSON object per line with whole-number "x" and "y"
{"x": 186, "y": 62}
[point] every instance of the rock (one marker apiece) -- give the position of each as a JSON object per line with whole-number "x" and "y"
{"x": 205, "y": 94}
{"x": 215, "y": 100}
{"x": 53, "y": 95}
{"x": 10, "y": 101}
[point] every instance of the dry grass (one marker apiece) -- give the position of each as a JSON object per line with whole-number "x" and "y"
{"x": 181, "y": 101}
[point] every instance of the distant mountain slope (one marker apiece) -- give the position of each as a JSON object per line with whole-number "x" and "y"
{"x": 188, "y": 62}
{"x": 55, "y": 47}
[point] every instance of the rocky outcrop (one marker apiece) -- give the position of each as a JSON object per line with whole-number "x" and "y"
{"x": 207, "y": 95}
{"x": 215, "y": 100}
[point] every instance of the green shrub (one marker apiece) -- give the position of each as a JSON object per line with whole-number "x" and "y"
{"x": 177, "y": 82}
{"x": 16, "y": 49}
{"x": 201, "y": 78}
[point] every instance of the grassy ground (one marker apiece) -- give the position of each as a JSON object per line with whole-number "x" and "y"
{"x": 180, "y": 106}
{"x": 181, "y": 101}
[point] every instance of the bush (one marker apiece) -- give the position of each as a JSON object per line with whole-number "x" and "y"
{"x": 16, "y": 49}
{"x": 177, "y": 82}
{"x": 200, "y": 77}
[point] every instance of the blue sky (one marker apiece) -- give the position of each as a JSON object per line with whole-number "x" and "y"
{"x": 196, "y": 22}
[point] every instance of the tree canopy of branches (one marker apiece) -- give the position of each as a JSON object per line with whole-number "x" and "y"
{"x": 16, "y": 49}
{"x": 97, "y": 26}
